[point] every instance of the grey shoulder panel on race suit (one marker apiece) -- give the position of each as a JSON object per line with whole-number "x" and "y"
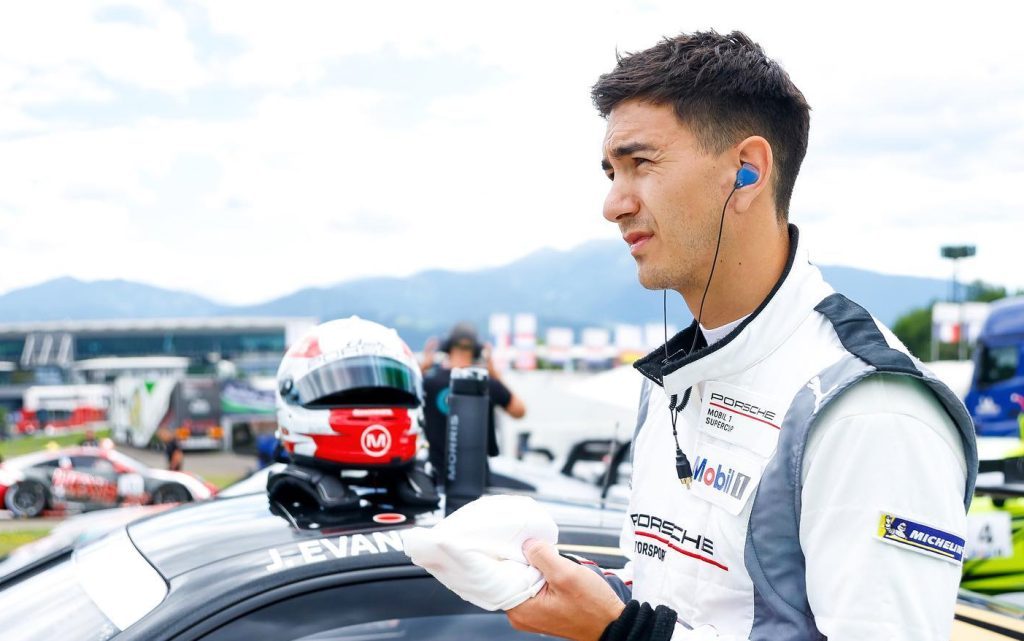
{"x": 641, "y": 412}
{"x": 773, "y": 556}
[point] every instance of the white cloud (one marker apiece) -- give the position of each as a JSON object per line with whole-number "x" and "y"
{"x": 137, "y": 144}
{"x": 156, "y": 55}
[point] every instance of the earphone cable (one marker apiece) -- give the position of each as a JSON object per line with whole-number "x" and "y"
{"x": 683, "y": 469}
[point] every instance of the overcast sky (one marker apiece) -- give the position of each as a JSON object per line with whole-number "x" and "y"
{"x": 243, "y": 150}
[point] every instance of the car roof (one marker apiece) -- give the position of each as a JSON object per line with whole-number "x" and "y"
{"x": 217, "y": 555}
{"x": 34, "y": 458}
{"x": 226, "y": 531}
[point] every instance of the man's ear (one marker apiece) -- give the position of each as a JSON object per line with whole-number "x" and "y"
{"x": 757, "y": 152}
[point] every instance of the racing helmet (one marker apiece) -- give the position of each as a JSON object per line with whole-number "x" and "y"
{"x": 349, "y": 396}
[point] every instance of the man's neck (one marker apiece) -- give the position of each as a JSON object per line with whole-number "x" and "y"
{"x": 749, "y": 265}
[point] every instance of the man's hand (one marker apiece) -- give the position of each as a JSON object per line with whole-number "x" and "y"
{"x": 429, "y": 349}
{"x": 576, "y": 603}
{"x": 488, "y": 355}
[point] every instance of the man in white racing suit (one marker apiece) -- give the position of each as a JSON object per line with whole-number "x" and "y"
{"x": 796, "y": 475}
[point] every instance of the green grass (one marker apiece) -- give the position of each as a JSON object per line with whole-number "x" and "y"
{"x": 16, "y": 538}
{"x": 222, "y": 480}
{"x": 28, "y": 444}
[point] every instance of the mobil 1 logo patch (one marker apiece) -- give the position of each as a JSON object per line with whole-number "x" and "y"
{"x": 742, "y": 417}
{"x": 921, "y": 538}
{"x": 725, "y": 476}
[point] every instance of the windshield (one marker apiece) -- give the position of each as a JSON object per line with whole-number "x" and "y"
{"x": 25, "y": 605}
{"x": 997, "y": 364}
{"x": 125, "y": 461}
{"x": 101, "y": 589}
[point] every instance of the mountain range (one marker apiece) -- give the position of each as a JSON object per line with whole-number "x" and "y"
{"x": 592, "y": 284}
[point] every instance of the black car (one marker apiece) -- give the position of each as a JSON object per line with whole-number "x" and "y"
{"x": 247, "y": 569}
{"x": 238, "y": 569}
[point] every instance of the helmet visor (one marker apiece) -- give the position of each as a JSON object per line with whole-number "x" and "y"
{"x": 360, "y": 381}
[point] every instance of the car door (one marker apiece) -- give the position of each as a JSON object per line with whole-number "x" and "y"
{"x": 408, "y": 604}
{"x": 95, "y": 481}
{"x": 404, "y": 603}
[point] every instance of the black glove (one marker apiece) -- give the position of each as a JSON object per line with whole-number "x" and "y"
{"x": 641, "y": 622}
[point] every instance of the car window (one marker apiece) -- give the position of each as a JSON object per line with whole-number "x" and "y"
{"x": 85, "y": 463}
{"x": 92, "y": 464}
{"x": 997, "y": 364}
{"x": 58, "y": 588}
{"x": 103, "y": 465}
{"x": 126, "y": 462}
{"x": 91, "y": 595}
{"x": 82, "y": 462}
{"x": 408, "y": 608}
{"x": 100, "y": 589}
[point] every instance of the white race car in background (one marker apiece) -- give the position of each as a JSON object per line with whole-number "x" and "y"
{"x": 77, "y": 479}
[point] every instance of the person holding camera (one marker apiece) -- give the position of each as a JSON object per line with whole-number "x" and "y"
{"x": 464, "y": 349}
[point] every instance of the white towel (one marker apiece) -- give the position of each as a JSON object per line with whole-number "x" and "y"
{"x": 476, "y": 552}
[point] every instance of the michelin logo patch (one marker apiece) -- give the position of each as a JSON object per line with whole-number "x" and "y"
{"x": 920, "y": 538}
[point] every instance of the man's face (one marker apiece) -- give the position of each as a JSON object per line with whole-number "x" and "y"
{"x": 666, "y": 195}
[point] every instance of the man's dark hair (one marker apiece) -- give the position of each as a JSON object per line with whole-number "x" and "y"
{"x": 724, "y": 88}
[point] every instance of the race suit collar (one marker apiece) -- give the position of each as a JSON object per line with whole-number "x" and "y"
{"x": 793, "y": 298}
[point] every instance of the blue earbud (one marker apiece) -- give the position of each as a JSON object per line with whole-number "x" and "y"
{"x": 747, "y": 175}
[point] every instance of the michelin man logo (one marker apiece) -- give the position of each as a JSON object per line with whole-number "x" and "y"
{"x": 900, "y": 531}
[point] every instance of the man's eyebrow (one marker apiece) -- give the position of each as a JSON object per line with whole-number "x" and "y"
{"x": 626, "y": 149}
{"x": 631, "y": 148}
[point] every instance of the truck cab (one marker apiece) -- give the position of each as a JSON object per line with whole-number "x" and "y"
{"x": 996, "y": 396}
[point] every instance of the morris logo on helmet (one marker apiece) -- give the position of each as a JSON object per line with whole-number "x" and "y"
{"x": 376, "y": 441}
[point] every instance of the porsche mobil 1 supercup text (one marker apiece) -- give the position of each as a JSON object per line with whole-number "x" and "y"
{"x": 720, "y": 420}
{"x": 747, "y": 408}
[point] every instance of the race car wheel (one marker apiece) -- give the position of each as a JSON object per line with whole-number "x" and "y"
{"x": 171, "y": 493}
{"x": 26, "y": 498}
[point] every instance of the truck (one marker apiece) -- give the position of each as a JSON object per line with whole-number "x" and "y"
{"x": 996, "y": 397}
{"x": 188, "y": 406}
{"x": 202, "y": 412}
{"x": 62, "y": 408}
